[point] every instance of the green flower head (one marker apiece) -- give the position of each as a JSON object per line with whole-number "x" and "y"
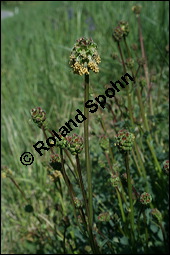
{"x": 104, "y": 143}
{"x": 145, "y": 198}
{"x": 115, "y": 180}
{"x": 105, "y": 216}
{"x": 166, "y": 166}
{"x": 137, "y": 9}
{"x": 118, "y": 34}
{"x": 75, "y": 144}
{"x": 125, "y": 27}
{"x": 38, "y": 116}
{"x": 124, "y": 140}
{"x": 84, "y": 57}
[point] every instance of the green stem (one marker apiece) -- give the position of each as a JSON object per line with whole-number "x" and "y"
{"x": 120, "y": 205}
{"x": 87, "y": 153}
{"x": 129, "y": 190}
{"x": 81, "y": 184}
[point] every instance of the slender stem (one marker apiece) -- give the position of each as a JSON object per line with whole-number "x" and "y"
{"x": 129, "y": 190}
{"x": 145, "y": 66}
{"x": 43, "y": 129}
{"x": 120, "y": 205}
{"x": 81, "y": 184}
{"x": 87, "y": 153}
{"x": 14, "y": 182}
{"x": 149, "y": 139}
{"x": 127, "y": 88}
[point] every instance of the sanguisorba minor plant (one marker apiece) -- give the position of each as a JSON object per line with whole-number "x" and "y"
{"x": 65, "y": 163}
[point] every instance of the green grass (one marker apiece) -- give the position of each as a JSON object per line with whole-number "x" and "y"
{"x": 36, "y": 45}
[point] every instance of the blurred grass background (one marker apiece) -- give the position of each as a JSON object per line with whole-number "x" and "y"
{"x": 36, "y": 45}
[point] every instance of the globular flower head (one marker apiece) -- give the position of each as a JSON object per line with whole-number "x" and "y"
{"x": 104, "y": 216}
{"x": 104, "y": 143}
{"x": 130, "y": 63}
{"x": 63, "y": 143}
{"x": 124, "y": 140}
{"x": 145, "y": 198}
{"x": 55, "y": 162}
{"x": 166, "y": 166}
{"x": 125, "y": 27}
{"x": 137, "y": 9}
{"x": 118, "y": 34}
{"x": 75, "y": 144}
{"x": 38, "y": 116}
{"x": 115, "y": 180}
{"x": 84, "y": 57}
{"x": 157, "y": 214}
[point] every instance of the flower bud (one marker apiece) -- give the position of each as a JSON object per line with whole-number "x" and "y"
{"x": 125, "y": 27}
{"x": 137, "y": 9}
{"x": 63, "y": 143}
{"x": 134, "y": 46}
{"x": 114, "y": 56}
{"x": 84, "y": 57}
{"x": 115, "y": 180}
{"x": 166, "y": 166}
{"x": 145, "y": 198}
{"x": 130, "y": 63}
{"x": 77, "y": 202}
{"x": 38, "y": 116}
{"x": 118, "y": 34}
{"x": 124, "y": 140}
{"x": 141, "y": 61}
{"x": 6, "y": 172}
{"x": 105, "y": 216}
{"x": 75, "y": 144}
{"x": 104, "y": 143}
{"x": 53, "y": 174}
{"x": 157, "y": 214}
{"x": 55, "y": 162}
{"x": 142, "y": 81}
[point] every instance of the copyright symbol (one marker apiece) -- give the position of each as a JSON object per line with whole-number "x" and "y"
{"x": 27, "y": 158}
